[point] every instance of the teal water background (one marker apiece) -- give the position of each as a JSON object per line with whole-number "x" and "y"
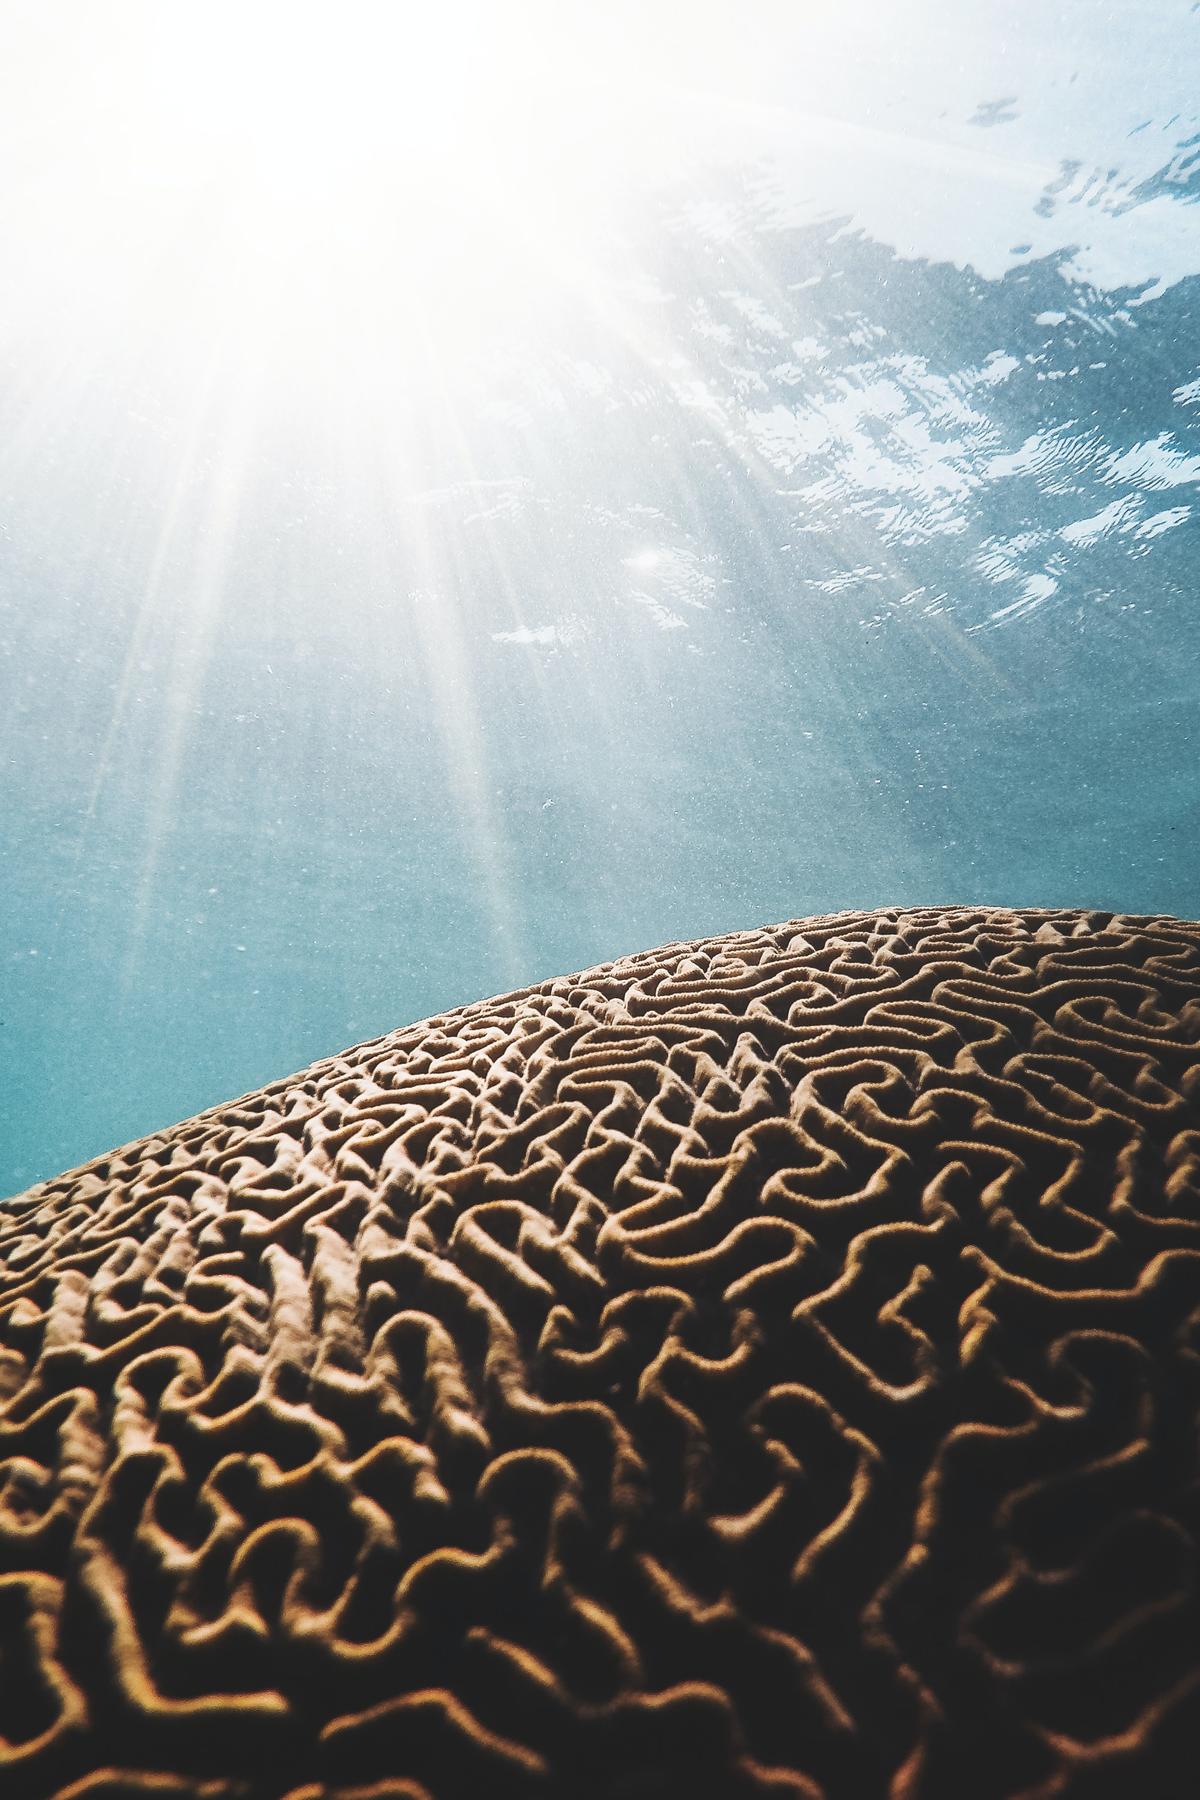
{"x": 830, "y": 543}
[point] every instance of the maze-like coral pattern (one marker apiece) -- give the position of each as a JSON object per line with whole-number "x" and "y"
{"x": 761, "y": 1367}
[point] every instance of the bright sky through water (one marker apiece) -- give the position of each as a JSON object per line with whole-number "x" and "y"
{"x": 487, "y": 487}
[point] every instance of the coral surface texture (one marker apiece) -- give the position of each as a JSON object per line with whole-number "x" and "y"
{"x": 764, "y": 1366}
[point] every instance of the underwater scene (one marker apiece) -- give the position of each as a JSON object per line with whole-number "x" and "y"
{"x": 482, "y": 494}
{"x": 598, "y": 899}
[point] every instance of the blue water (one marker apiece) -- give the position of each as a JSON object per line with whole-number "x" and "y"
{"x": 805, "y": 518}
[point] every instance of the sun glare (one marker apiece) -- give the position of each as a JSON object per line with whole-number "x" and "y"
{"x": 265, "y": 250}
{"x": 263, "y": 182}
{"x": 333, "y": 193}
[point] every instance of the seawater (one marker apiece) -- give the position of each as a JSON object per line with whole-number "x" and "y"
{"x": 826, "y": 539}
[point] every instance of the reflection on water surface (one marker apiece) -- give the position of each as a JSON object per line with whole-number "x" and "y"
{"x": 650, "y": 485}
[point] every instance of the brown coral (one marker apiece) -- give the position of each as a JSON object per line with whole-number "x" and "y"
{"x": 762, "y": 1366}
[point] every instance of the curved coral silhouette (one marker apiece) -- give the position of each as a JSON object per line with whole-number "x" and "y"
{"x": 762, "y": 1366}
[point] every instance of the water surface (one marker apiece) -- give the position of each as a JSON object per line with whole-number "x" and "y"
{"x": 660, "y": 485}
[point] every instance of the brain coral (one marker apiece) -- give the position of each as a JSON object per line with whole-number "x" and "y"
{"x": 766, "y": 1366}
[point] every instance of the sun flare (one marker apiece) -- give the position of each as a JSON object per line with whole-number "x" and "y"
{"x": 270, "y": 182}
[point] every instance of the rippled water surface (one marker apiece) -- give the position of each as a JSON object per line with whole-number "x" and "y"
{"x": 476, "y": 501}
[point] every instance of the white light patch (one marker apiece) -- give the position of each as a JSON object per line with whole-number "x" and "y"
{"x": 347, "y": 199}
{"x": 1099, "y": 525}
{"x": 1156, "y": 464}
{"x": 1157, "y": 523}
{"x": 528, "y": 634}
